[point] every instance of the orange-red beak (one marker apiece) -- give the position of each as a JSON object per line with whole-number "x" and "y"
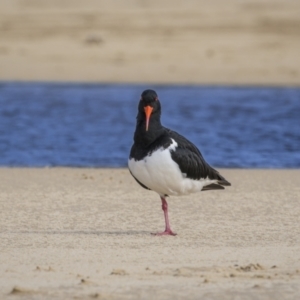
{"x": 148, "y": 110}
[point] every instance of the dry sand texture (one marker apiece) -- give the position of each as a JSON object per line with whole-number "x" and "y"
{"x": 152, "y": 41}
{"x": 85, "y": 233}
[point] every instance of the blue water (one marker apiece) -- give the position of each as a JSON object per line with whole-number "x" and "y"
{"x": 92, "y": 125}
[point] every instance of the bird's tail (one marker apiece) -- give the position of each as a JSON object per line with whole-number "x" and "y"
{"x": 214, "y": 174}
{"x": 222, "y": 181}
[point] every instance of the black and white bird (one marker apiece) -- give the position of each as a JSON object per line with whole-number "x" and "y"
{"x": 164, "y": 161}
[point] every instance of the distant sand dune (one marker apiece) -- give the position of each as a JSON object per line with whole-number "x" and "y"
{"x": 197, "y": 42}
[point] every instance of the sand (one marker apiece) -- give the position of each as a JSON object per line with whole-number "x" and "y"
{"x": 85, "y": 233}
{"x": 254, "y": 42}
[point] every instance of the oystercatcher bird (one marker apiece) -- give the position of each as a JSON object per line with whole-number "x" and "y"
{"x": 164, "y": 161}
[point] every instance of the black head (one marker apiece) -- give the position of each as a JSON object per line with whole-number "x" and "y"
{"x": 149, "y": 105}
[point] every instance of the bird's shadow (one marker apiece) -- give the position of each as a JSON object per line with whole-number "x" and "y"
{"x": 79, "y": 232}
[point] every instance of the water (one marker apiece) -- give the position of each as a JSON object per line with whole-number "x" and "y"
{"x": 92, "y": 125}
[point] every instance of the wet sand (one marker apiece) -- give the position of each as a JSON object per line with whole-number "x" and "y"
{"x": 85, "y": 233}
{"x": 254, "y": 42}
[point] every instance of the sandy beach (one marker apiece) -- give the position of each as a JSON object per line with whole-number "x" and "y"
{"x": 254, "y": 42}
{"x": 70, "y": 233}
{"x": 85, "y": 233}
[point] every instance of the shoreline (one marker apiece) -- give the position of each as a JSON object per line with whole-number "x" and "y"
{"x": 156, "y": 84}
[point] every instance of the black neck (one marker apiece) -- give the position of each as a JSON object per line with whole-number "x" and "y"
{"x": 155, "y": 130}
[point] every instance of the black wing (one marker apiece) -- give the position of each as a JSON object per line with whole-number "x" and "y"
{"x": 192, "y": 163}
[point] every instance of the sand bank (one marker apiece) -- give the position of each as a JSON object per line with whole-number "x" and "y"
{"x": 84, "y": 233}
{"x": 189, "y": 42}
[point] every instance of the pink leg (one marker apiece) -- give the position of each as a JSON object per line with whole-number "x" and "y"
{"x": 168, "y": 230}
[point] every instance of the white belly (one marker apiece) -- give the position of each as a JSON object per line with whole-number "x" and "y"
{"x": 160, "y": 173}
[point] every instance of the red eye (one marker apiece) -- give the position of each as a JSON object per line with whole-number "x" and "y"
{"x": 156, "y": 99}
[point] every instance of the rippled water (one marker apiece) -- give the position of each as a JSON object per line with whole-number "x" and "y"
{"x": 92, "y": 125}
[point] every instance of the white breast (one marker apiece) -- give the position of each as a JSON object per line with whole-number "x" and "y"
{"x": 160, "y": 173}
